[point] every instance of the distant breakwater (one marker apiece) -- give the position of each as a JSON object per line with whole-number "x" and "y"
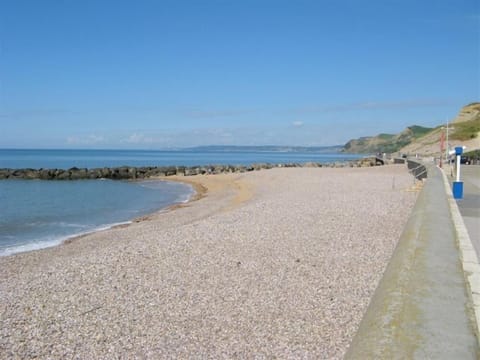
{"x": 132, "y": 173}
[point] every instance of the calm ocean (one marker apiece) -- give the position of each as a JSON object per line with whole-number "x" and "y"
{"x": 36, "y": 214}
{"x": 64, "y": 159}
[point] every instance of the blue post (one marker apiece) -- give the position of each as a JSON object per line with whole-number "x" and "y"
{"x": 457, "y": 189}
{"x": 458, "y": 185}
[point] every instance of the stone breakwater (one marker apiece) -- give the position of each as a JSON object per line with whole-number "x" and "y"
{"x": 132, "y": 173}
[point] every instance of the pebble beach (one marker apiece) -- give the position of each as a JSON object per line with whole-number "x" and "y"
{"x": 278, "y": 263}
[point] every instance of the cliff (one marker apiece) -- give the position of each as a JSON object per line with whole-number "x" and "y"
{"x": 464, "y": 130}
{"x": 385, "y": 143}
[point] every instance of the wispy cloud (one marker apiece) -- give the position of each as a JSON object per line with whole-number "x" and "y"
{"x": 297, "y": 123}
{"x": 91, "y": 139}
{"x": 155, "y": 139}
{"x": 139, "y": 138}
{"x": 295, "y": 132}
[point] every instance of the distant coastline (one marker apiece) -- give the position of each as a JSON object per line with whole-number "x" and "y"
{"x": 185, "y": 158}
{"x": 267, "y": 148}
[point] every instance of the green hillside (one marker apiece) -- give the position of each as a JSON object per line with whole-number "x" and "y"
{"x": 386, "y": 143}
{"x": 466, "y": 130}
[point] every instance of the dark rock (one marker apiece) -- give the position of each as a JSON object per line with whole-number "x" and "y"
{"x": 181, "y": 170}
{"x": 62, "y": 175}
{"x": 106, "y": 173}
{"x": 128, "y": 172}
{"x": 192, "y": 171}
{"x": 78, "y": 174}
{"x": 95, "y": 173}
{"x": 5, "y": 173}
{"x": 312, "y": 164}
{"x": 123, "y": 173}
{"x": 46, "y": 174}
{"x": 170, "y": 170}
{"x": 218, "y": 169}
{"x": 30, "y": 174}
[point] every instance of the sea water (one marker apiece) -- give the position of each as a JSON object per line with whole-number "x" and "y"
{"x": 35, "y": 214}
{"x": 65, "y": 159}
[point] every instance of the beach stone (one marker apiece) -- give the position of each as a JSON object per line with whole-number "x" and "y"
{"x": 181, "y": 170}
{"x": 15, "y": 174}
{"x": 94, "y": 173}
{"x": 141, "y": 171}
{"x": 170, "y": 171}
{"x": 45, "y": 174}
{"x": 192, "y": 171}
{"x": 78, "y": 174}
{"x": 5, "y": 173}
{"x": 259, "y": 166}
{"x": 240, "y": 168}
{"x": 155, "y": 171}
{"x": 123, "y": 173}
{"x": 102, "y": 173}
{"x": 25, "y": 173}
{"x": 132, "y": 172}
{"x": 62, "y": 175}
{"x": 218, "y": 169}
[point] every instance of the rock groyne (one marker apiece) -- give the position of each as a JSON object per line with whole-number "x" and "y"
{"x": 133, "y": 173}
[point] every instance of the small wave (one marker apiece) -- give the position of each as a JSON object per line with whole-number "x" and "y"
{"x": 47, "y": 243}
{"x": 43, "y": 244}
{"x": 109, "y": 226}
{"x": 61, "y": 224}
{"x": 154, "y": 184}
{"x": 184, "y": 198}
{"x": 70, "y": 225}
{"x": 94, "y": 230}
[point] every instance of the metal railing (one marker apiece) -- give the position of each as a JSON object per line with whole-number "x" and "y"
{"x": 419, "y": 171}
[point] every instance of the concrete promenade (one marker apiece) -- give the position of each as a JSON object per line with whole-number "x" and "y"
{"x": 423, "y": 307}
{"x": 469, "y": 205}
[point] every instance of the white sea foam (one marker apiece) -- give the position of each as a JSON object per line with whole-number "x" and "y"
{"x": 184, "y": 198}
{"x": 42, "y": 244}
{"x": 47, "y": 243}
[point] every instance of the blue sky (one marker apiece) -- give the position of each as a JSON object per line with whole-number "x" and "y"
{"x": 158, "y": 74}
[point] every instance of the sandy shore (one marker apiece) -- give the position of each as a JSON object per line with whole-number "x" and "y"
{"x": 278, "y": 263}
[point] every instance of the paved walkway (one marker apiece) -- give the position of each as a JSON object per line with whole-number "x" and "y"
{"x": 469, "y": 205}
{"x": 421, "y": 309}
